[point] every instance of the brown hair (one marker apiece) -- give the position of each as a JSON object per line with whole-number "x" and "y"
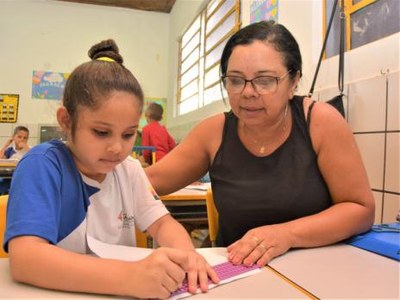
{"x": 92, "y": 82}
{"x": 154, "y": 111}
{"x": 21, "y": 128}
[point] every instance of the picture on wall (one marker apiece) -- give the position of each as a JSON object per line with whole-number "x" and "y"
{"x": 9, "y": 108}
{"x": 264, "y": 10}
{"x": 48, "y": 85}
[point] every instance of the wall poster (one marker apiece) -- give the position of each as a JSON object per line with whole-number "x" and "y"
{"x": 48, "y": 85}
{"x": 9, "y": 108}
{"x": 264, "y": 10}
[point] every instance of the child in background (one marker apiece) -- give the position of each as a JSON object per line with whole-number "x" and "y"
{"x": 65, "y": 196}
{"x": 16, "y": 146}
{"x": 154, "y": 134}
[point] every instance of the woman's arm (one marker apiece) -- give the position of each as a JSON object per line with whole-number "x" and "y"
{"x": 35, "y": 261}
{"x": 190, "y": 160}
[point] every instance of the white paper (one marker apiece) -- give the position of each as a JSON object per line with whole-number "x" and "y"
{"x": 214, "y": 256}
{"x": 199, "y": 187}
{"x": 104, "y": 250}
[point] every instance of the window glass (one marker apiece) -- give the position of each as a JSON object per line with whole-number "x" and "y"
{"x": 222, "y": 11}
{"x": 190, "y": 60}
{"x": 195, "y": 41}
{"x": 220, "y": 32}
{"x": 191, "y": 74}
{"x": 201, "y": 47}
{"x": 212, "y": 76}
{"x": 189, "y": 90}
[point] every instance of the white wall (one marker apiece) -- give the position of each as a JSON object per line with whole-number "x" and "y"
{"x": 55, "y": 36}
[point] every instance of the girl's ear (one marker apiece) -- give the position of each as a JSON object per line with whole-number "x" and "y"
{"x": 63, "y": 119}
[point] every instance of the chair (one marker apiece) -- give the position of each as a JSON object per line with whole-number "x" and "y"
{"x": 212, "y": 214}
{"x": 139, "y": 149}
{"x": 142, "y": 239}
{"x": 3, "y": 209}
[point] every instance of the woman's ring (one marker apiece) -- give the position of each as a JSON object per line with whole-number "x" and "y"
{"x": 256, "y": 239}
{"x": 262, "y": 246}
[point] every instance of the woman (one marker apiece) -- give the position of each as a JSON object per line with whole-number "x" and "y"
{"x": 285, "y": 172}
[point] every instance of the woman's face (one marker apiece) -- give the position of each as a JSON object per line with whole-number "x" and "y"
{"x": 104, "y": 137}
{"x": 248, "y": 62}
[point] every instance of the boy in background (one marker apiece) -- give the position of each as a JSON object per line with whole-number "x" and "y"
{"x": 155, "y": 134}
{"x": 16, "y": 146}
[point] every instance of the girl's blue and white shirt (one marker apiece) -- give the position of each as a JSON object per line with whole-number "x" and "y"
{"x": 51, "y": 199}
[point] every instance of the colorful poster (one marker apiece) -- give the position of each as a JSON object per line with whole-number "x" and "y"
{"x": 264, "y": 10}
{"x": 48, "y": 85}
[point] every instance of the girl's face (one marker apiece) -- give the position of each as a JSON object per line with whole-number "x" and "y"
{"x": 20, "y": 139}
{"x": 104, "y": 137}
{"x": 250, "y": 61}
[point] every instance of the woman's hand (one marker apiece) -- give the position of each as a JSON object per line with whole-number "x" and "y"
{"x": 199, "y": 272}
{"x": 260, "y": 245}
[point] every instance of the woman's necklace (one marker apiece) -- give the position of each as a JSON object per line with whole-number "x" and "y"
{"x": 262, "y": 145}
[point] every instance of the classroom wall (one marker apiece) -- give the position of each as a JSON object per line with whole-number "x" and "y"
{"x": 371, "y": 88}
{"x": 55, "y": 36}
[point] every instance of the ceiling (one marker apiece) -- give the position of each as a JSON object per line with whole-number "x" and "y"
{"x": 164, "y": 6}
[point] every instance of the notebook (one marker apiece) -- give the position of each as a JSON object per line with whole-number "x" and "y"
{"x": 383, "y": 239}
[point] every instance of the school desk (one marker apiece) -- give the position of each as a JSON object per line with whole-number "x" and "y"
{"x": 263, "y": 285}
{"x": 7, "y": 167}
{"x": 188, "y": 206}
{"x": 341, "y": 272}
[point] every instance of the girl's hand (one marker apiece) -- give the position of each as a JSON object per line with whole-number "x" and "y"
{"x": 199, "y": 272}
{"x": 158, "y": 275}
{"x": 260, "y": 245}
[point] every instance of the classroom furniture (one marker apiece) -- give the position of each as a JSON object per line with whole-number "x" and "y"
{"x": 188, "y": 206}
{"x": 334, "y": 272}
{"x": 138, "y": 150}
{"x": 7, "y": 167}
{"x": 3, "y": 211}
{"x": 212, "y": 217}
{"x": 341, "y": 271}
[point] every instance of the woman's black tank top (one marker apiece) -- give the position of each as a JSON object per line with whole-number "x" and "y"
{"x": 252, "y": 191}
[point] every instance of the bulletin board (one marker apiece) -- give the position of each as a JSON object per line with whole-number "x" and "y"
{"x": 9, "y": 108}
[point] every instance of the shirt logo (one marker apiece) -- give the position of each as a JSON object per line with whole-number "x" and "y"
{"x": 127, "y": 221}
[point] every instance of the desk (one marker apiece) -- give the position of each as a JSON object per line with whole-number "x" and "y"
{"x": 7, "y": 167}
{"x": 188, "y": 206}
{"x": 334, "y": 272}
{"x": 341, "y": 272}
{"x": 263, "y": 285}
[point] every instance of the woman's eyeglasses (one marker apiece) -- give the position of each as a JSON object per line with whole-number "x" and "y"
{"x": 263, "y": 85}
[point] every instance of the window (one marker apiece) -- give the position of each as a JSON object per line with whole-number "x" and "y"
{"x": 366, "y": 22}
{"x": 200, "y": 51}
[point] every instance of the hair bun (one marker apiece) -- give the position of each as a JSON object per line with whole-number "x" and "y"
{"x": 107, "y": 48}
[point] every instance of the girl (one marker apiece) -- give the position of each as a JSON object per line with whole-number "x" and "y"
{"x": 64, "y": 195}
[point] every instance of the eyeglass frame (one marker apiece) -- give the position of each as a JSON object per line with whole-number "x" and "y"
{"x": 277, "y": 79}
